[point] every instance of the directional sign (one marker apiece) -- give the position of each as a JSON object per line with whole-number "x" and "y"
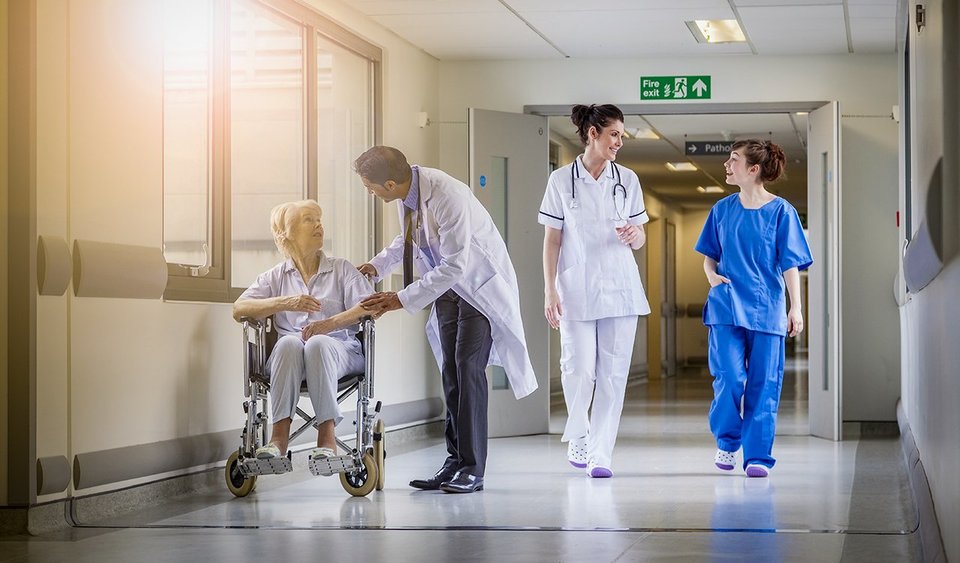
{"x": 674, "y": 87}
{"x": 708, "y": 148}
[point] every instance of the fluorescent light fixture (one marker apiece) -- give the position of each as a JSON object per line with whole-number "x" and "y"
{"x": 681, "y": 166}
{"x": 641, "y": 133}
{"x": 710, "y": 189}
{"x": 716, "y": 31}
{"x": 801, "y": 113}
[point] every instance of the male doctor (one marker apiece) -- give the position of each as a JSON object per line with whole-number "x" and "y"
{"x": 466, "y": 273}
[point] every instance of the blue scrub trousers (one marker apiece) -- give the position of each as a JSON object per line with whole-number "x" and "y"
{"x": 746, "y": 365}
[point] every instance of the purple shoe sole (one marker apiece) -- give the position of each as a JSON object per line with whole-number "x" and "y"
{"x": 757, "y": 471}
{"x": 724, "y": 467}
{"x": 601, "y": 473}
{"x": 577, "y": 465}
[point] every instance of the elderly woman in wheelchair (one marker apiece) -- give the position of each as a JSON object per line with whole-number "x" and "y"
{"x": 314, "y": 300}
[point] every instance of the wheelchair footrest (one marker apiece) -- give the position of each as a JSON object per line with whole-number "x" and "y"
{"x": 326, "y": 466}
{"x": 273, "y": 466}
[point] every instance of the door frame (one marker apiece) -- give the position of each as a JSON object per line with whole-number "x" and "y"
{"x": 705, "y": 108}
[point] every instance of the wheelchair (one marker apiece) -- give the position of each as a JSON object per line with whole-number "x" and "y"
{"x": 361, "y": 470}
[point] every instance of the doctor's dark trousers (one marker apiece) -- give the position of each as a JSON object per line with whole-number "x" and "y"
{"x": 465, "y": 340}
{"x": 746, "y": 365}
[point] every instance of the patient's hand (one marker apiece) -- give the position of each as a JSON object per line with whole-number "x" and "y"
{"x": 367, "y": 270}
{"x": 317, "y": 327}
{"x": 302, "y": 303}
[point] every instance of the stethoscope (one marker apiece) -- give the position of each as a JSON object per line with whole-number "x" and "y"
{"x": 618, "y": 186}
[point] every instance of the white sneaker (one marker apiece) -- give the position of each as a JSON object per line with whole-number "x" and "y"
{"x": 757, "y": 470}
{"x": 598, "y": 471}
{"x": 270, "y": 451}
{"x": 725, "y": 461}
{"x": 318, "y": 461}
{"x": 577, "y": 452}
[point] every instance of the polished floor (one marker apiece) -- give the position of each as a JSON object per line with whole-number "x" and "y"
{"x": 825, "y": 501}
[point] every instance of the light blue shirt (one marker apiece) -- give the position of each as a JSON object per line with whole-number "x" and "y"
{"x": 337, "y": 285}
{"x": 752, "y": 247}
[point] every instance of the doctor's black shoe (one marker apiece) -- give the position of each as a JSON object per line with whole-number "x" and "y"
{"x": 463, "y": 483}
{"x": 433, "y": 483}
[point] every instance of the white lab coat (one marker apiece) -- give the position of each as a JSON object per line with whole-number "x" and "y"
{"x": 597, "y": 276}
{"x": 471, "y": 258}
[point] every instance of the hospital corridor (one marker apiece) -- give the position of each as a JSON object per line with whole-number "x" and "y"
{"x": 479, "y": 280}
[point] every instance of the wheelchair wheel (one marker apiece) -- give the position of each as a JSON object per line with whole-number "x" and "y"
{"x": 239, "y": 485}
{"x": 379, "y": 452}
{"x": 362, "y": 482}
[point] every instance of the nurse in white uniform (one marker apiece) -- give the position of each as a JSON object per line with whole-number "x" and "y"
{"x": 593, "y": 214}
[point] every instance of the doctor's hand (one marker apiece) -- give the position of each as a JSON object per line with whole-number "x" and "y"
{"x": 367, "y": 270}
{"x": 794, "y": 322}
{"x": 382, "y": 302}
{"x": 717, "y": 279}
{"x": 552, "y": 309}
{"x": 301, "y": 303}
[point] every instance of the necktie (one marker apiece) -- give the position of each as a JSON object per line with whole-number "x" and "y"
{"x": 407, "y": 246}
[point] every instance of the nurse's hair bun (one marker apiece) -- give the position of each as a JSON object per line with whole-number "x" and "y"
{"x": 769, "y": 155}
{"x": 596, "y": 116}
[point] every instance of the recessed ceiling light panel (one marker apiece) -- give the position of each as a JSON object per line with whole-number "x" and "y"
{"x": 681, "y": 166}
{"x": 716, "y": 31}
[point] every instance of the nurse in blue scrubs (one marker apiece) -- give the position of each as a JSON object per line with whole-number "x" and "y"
{"x": 754, "y": 249}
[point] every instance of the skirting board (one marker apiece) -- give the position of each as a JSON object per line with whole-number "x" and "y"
{"x": 132, "y": 462}
{"x": 931, "y": 543}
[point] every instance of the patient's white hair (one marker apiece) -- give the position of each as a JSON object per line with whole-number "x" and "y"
{"x": 282, "y": 222}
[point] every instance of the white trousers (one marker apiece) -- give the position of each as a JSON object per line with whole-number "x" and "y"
{"x": 321, "y": 361}
{"x": 594, "y": 364}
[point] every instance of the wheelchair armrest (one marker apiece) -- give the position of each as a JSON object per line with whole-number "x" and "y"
{"x": 252, "y": 322}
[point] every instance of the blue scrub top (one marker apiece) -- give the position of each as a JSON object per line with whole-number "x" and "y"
{"x": 752, "y": 247}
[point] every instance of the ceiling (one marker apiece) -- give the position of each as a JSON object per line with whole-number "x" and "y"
{"x": 543, "y": 29}
{"x": 648, "y": 157}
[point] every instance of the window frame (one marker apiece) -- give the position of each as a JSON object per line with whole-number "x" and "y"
{"x": 214, "y": 284}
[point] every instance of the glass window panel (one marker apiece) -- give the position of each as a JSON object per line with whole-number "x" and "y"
{"x": 343, "y": 132}
{"x": 267, "y": 131}
{"x": 187, "y": 117}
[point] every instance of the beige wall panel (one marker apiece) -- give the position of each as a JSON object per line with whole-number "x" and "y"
{"x": 115, "y": 121}
{"x": 4, "y": 211}
{"x": 871, "y": 358}
{"x": 53, "y": 413}
{"x": 929, "y": 320}
{"x": 692, "y": 286}
{"x": 145, "y": 371}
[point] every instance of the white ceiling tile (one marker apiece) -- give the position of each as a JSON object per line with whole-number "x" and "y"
{"x": 872, "y": 11}
{"x": 458, "y": 36}
{"x": 873, "y": 35}
{"x": 630, "y": 33}
{"x": 796, "y": 30}
{"x": 785, "y": 3}
{"x": 523, "y": 6}
{"x": 399, "y": 7}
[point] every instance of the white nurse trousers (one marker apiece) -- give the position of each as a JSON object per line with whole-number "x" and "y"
{"x": 594, "y": 364}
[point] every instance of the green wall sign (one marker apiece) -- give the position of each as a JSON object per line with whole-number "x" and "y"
{"x": 674, "y": 87}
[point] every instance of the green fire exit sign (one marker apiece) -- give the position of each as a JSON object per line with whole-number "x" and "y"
{"x": 674, "y": 87}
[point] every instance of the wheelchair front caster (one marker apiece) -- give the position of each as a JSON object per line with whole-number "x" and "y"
{"x": 361, "y": 482}
{"x": 239, "y": 485}
{"x": 379, "y": 453}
